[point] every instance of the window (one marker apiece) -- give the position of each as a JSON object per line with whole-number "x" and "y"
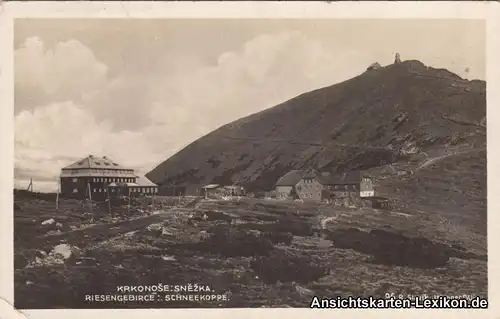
{"x": 75, "y": 180}
{"x": 75, "y": 190}
{"x": 95, "y": 190}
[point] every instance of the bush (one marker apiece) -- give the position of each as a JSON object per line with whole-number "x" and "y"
{"x": 230, "y": 242}
{"x": 283, "y": 226}
{"x": 391, "y": 248}
{"x": 281, "y": 266}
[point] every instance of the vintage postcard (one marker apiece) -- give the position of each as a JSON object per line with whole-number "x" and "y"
{"x": 243, "y": 155}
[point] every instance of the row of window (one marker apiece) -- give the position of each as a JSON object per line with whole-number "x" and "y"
{"x": 111, "y": 172}
{"x": 109, "y": 180}
{"x": 147, "y": 190}
{"x": 308, "y": 181}
{"x": 318, "y": 187}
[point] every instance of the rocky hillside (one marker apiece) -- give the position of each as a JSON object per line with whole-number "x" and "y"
{"x": 401, "y": 113}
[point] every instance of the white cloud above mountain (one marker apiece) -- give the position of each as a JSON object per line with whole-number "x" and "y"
{"x": 70, "y": 103}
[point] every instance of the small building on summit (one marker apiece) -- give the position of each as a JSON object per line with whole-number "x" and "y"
{"x": 92, "y": 176}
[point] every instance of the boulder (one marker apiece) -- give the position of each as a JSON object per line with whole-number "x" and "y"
{"x": 48, "y": 221}
{"x": 62, "y": 251}
{"x": 374, "y": 66}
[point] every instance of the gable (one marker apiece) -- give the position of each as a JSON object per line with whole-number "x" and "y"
{"x": 290, "y": 179}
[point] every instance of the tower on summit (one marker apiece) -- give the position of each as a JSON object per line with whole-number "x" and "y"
{"x": 397, "y": 59}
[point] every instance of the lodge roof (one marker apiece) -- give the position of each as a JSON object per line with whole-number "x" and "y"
{"x": 141, "y": 182}
{"x": 326, "y": 178}
{"x": 144, "y": 181}
{"x": 340, "y": 178}
{"x": 211, "y": 186}
{"x": 95, "y": 162}
{"x": 290, "y": 179}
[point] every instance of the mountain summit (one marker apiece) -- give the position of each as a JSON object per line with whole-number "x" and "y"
{"x": 385, "y": 115}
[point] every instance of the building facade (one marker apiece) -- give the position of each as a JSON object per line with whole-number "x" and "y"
{"x": 216, "y": 191}
{"x": 313, "y": 185}
{"x": 93, "y": 177}
{"x": 309, "y": 188}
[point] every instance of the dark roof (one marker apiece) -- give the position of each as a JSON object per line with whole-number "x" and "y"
{"x": 290, "y": 179}
{"x": 293, "y": 177}
{"x": 95, "y": 162}
{"x": 352, "y": 177}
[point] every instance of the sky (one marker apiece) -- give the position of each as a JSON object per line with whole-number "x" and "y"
{"x": 139, "y": 90}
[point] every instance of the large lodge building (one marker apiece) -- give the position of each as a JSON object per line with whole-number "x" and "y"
{"x": 100, "y": 177}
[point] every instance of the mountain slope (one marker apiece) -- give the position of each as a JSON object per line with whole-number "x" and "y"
{"x": 396, "y": 113}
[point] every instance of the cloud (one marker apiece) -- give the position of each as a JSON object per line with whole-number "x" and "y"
{"x": 269, "y": 69}
{"x": 69, "y": 71}
{"x": 138, "y": 119}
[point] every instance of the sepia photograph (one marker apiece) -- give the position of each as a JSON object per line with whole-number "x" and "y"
{"x": 248, "y": 163}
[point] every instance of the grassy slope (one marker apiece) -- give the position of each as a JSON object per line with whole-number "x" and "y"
{"x": 355, "y": 124}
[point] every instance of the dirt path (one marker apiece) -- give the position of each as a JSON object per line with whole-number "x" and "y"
{"x": 439, "y": 158}
{"x": 101, "y": 232}
{"x": 106, "y": 231}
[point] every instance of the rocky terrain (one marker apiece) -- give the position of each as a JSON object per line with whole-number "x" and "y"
{"x": 254, "y": 252}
